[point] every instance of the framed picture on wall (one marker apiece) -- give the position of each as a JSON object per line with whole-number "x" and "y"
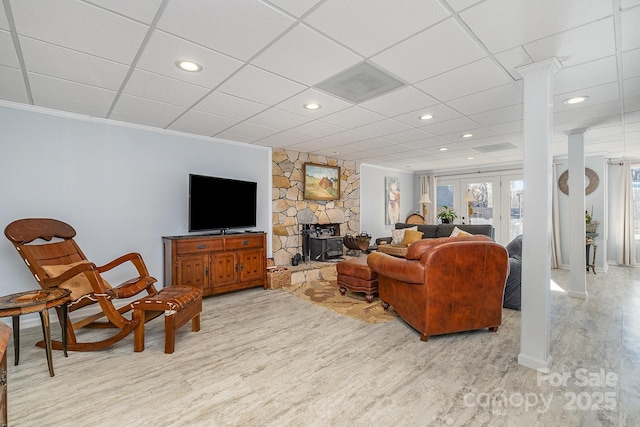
{"x": 392, "y": 200}
{"x": 321, "y": 182}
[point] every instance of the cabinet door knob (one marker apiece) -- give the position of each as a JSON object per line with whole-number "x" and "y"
{"x": 203, "y": 246}
{"x": 245, "y": 242}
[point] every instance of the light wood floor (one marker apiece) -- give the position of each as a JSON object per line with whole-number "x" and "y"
{"x": 266, "y": 358}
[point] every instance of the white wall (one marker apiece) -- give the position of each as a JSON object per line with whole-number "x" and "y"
{"x": 596, "y": 201}
{"x": 122, "y": 187}
{"x": 372, "y": 198}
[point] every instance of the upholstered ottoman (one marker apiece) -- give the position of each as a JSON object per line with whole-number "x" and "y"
{"x": 355, "y": 275}
{"x": 179, "y": 303}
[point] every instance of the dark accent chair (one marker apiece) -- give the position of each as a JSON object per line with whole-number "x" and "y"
{"x": 513, "y": 288}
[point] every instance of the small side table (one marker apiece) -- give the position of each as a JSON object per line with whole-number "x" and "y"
{"x": 590, "y": 241}
{"x": 36, "y": 301}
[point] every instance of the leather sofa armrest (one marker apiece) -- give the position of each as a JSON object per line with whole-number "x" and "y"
{"x": 408, "y": 271}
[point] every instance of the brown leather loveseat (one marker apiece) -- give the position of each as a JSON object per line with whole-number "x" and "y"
{"x": 445, "y": 285}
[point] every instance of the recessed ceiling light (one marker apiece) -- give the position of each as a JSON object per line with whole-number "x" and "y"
{"x": 188, "y": 65}
{"x": 426, "y": 117}
{"x": 312, "y": 106}
{"x": 576, "y": 100}
{"x": 470, "y": 158}
{"x": 466, "y": 135}
{"x": 442, "y": 149}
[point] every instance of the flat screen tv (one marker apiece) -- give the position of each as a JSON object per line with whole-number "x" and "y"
{"x": 221, "y": 203}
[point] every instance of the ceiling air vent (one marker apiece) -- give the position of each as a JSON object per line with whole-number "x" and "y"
{"x": 360, "y": 83}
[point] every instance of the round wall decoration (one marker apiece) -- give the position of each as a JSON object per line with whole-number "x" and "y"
{"x": 591, "y": 181}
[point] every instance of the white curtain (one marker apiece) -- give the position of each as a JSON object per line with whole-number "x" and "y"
{"x": 556, "y": 252}
{"x": 626, "y": 236}
{"x": 428, "y": 186}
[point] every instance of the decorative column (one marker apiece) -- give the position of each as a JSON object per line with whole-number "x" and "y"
{"x": 578, "y": 252}
{"x": 536, "y": 242}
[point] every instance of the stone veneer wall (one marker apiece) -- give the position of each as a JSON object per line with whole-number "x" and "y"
{"x": 290, "y": 210}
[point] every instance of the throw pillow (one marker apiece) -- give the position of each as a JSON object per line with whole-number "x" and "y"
{"x": 411, "y": 236}
{"x": 457, "y": 232}
{"x": 79, "y": 285}
{"x": 398, "y": 234}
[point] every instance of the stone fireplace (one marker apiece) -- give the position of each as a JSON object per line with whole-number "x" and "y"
{"x": 291, "y": 213}
{"x": 321, "y": 242}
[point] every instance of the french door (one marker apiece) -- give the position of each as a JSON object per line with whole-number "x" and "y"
{"x": 495, "y": 200}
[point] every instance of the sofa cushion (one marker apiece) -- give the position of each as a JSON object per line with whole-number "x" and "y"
{"x": 457, "y": 232}
{"x": 397, "y": 235}
{"x": 411, "y": 236}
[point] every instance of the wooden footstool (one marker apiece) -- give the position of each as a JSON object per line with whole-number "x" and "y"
{"x": 179, "y": 303}
{"x": 355, "y": 275}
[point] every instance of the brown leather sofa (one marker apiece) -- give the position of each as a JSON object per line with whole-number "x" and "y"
{"x": 445, "y": 285}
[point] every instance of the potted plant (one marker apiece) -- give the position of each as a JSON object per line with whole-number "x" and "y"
{"x": 447, "y": 215}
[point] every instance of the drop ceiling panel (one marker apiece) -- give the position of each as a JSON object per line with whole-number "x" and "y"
{"x": 295, "y": 7}
{"x": 475, "y": 77}
{"x": 248, "y": 132}
{"x": 8, "y": 55}
{"x": 145, "y": 111}
{"x": 632, "y": 86}
{"x": 399, "y": 101}
{"x": 317, "y": 129}
{"x": 599, "y": 94}
{"x": 379, "y": 23}
{"x": 440, "y": 113}
{"x": 345, "y": 137}
{"x": 630, "y": 20}
{"x": 422, "y": 56}
{"x": 164, "y": 89}
{"x": 631, "y": 63}
{"x": 237, "y": 28}
{"x": 352, "y": 117}
{"x": 229, "y": 106}
{"x": 164, "y": 50}
{"x": 458, "y": 125}
{"x": 261, "y": 86}
{"x": 283, "y": 139}
{"x": 512, "y": 59}
{"x": 383, "y": 127}
{"x": 14, "y": 95}
{"x": 305, "y": 56}
{"x": 11, "y": 80}
{"x": 487, "y": 100}
{"x": 329, "y": 104}
{"x": 139, "y": 10}
{"x": 278, "y": 119}
{"x": 4, "y": 24}
{"x": 499, "y": 23}
{"x": 586, "y": 75}
{"x": 576, "y": 46}
{"x": 71, "y": 92}
{"x": 407, "y": 136}
{"x": 202, "y": 123}
{"x": 499, "y": 115}
{"x": 47, "y": 59}
{"x": 80, "y": 26}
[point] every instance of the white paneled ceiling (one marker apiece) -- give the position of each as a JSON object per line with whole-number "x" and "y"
{"x": 262, "y": 60}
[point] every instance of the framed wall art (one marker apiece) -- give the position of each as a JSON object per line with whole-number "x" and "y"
{"x": 321, "y": 182}
{"x": 392, "y": 200}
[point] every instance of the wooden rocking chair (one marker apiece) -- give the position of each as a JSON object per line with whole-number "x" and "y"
{"x": 62, "y": 264}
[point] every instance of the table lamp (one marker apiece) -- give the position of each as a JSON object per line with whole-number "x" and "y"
{"x": 468, "y": 197}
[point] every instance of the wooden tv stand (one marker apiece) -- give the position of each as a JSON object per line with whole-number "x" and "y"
{"x": 216, "y": 263}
